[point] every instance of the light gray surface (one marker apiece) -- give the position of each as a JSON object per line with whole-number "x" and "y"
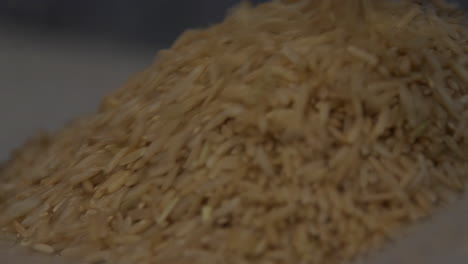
{"x": 442, "y": 239}
{"x": 45, "y": 81}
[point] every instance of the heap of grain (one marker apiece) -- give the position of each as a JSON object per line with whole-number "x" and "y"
{"x": 290, "y": 133}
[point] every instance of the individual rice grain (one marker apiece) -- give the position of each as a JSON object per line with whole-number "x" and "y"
{"x": 43, "y": 248}
{"x": 363, "y": 55}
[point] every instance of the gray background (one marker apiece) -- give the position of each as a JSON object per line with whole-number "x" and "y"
{"x": 56, "y": 63}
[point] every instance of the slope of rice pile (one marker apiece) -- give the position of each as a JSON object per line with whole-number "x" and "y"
{"x": 305, "y": 132}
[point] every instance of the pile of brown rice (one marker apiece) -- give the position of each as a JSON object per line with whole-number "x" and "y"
{"x": 304, "y": 132}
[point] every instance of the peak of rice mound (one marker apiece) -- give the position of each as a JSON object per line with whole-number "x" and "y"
{"x": 305, "y": 132}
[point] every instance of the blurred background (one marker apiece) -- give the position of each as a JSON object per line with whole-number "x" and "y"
{"x": 147, "y": 21}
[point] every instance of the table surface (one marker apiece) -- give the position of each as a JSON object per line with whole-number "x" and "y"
{"x": 47, "y": 80}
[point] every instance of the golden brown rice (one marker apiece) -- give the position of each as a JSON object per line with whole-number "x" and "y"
{"x": 300, "y": 132}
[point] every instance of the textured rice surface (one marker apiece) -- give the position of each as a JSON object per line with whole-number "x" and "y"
{"x": 307, "y": 132}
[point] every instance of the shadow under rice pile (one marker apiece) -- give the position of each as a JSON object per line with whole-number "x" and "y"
{"x": 305, "y": 132}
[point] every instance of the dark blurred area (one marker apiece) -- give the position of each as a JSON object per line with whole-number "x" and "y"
{"x": 149, "y": 21}
{"x": 141, "y": 21}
